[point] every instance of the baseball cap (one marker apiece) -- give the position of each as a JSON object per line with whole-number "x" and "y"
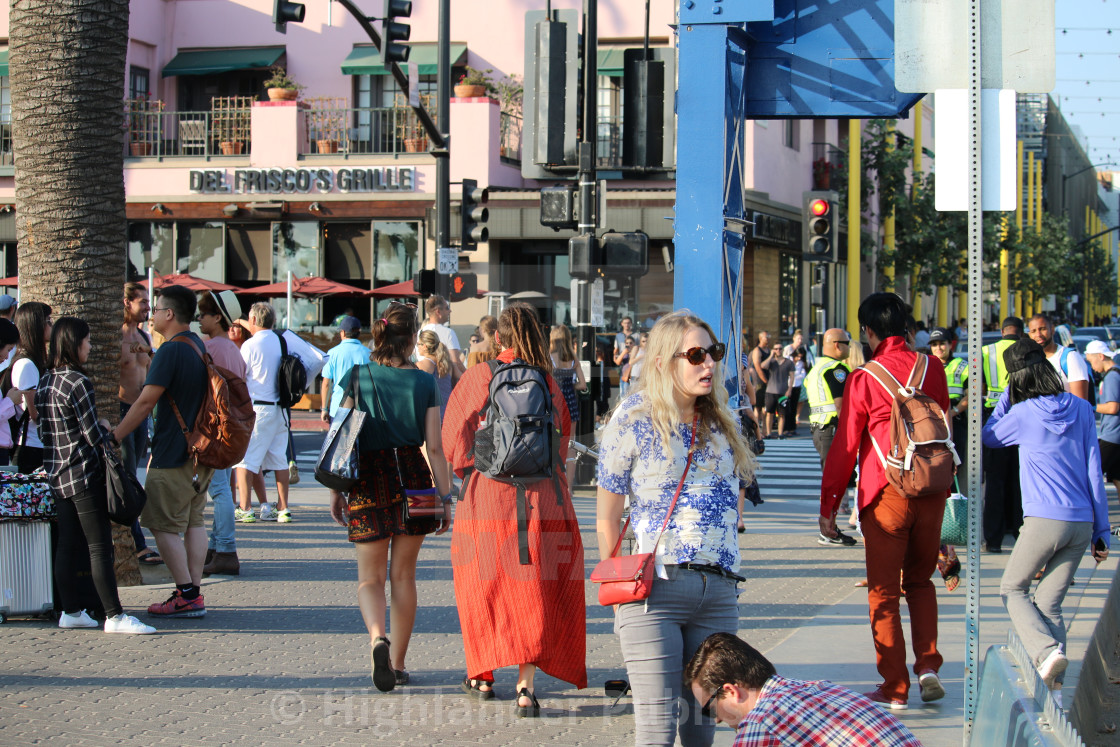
{"x": 940, "y": 334}
{"x": 227, "y": 304}
{"x": 350, "y": 324}
{"x": 7, "y": 302}
{"x": 1023, "y": 354}
{"x": 1096, "y": 346}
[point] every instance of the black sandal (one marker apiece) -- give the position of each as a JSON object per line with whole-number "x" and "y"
{"x": 383, "y": 676}
{"x": 474, "y": 690}
{"x": 149, "y": 556}
{"x": 529, "y": 711}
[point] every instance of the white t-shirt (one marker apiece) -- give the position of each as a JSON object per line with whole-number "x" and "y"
{"x": 26, "y": 376}
{"x": 445, "y": 334}
{"x": 1078, "y": 369}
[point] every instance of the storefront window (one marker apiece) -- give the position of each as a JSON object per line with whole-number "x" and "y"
{"x": 296, "y": 249}
{"x": 150, "y": 245}
{"x": 348, "y": 252}
{"x": 201, "y": 250}
{"x": 248, "y": 253}
{"x": 789, "y": 290}
{"x": 396, "y": 255}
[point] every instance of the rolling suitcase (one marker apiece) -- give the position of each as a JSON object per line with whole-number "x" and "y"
{"x": 26, "y": 583}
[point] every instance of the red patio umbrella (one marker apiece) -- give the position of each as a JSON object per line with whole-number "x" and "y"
{"x": 189, "y": 282}
{"x": 305, "y": 287}
{"x": 402, "y": 289}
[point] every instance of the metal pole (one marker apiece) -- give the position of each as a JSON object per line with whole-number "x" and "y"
{"x": 855, "y": 144}
{"x": 443, "y": 116}
{"x": 588, "y": 141}
{"x": 288, "y": 321}
{"x": 975, "y": 372}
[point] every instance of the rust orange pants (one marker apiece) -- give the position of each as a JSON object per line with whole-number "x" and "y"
{"x": 902, "y": 537}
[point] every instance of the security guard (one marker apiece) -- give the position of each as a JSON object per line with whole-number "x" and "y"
{"x": 942, "y": 342}
{"x": 1003, "y": 502}
{"x": 824, "y": 388}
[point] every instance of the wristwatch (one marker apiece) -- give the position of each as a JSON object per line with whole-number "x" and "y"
{"x": 449, "y": 498}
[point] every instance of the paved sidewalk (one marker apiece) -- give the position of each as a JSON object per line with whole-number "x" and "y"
{"x": 282, "y": 655}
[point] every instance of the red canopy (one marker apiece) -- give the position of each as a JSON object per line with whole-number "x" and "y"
{"x": 189, "y": 282}
{"x": 402, "y": 289}
{"x": 310, "y": 286}
{"x": 11, "y": 282}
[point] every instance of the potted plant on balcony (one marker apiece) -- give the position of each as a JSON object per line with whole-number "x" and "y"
{"x": 326, "y": 122}
{"x": 280, "y": 87}
{"x": 231, "y": 118}
{"x": 474, "y": 83}
{"x": 143, "y": 115}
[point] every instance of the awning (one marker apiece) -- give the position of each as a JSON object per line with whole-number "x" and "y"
{"x": 4, "y": 62}
{"x": 610, "y": 61}
{"x": 212, "y": 61}
{"x": 366, "y": 60}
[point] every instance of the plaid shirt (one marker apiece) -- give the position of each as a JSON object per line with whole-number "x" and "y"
{"x": 796, "y": 713}
{"x": 69, "y": 430}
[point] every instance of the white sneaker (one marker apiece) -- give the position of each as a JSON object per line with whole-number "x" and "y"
{"x": 284, "y": 517}
{"x": 80, "y": 620}
{"x": 1052, "y": 666}
{"x": 268, "y": 512}
{"x": 123, "y": 623}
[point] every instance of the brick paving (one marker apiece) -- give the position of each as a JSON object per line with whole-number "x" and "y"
{"x": 282, "y": 654}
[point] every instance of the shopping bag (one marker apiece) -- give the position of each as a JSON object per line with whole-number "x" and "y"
{"x": 337, "y": 465}
{"x": 954, "y": 525}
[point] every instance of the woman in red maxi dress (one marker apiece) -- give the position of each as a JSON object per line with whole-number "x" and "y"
{"x": 531, "y": 616}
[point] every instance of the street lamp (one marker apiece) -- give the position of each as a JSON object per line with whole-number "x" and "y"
{"x": 1067, "y": 177}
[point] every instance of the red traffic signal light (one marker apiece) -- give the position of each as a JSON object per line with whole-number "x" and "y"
{"x": 818, "y": 207}
{"x": 820, "y": 228}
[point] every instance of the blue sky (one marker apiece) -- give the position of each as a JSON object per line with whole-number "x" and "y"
{"x": 1088, "y": 73}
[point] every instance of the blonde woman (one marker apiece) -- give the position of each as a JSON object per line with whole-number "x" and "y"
{"x": 680, "y": 406}
{"x": 435, "y": 359}
{"x": 566, "y": 369}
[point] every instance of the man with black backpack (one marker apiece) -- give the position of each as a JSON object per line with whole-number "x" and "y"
{"x": 1108, "y": 406}
{"x": 272, "y": 375}
{"x": 901, "y": 533}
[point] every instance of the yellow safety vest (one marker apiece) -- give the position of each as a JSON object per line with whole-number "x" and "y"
{"x": 956, "y": 375}
{"x": 822, "y": 405}
{"x": 995, "y": 372}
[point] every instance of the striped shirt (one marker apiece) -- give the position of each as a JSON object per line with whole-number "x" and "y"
{"x": 70, "y": 432}
{"x": 797, "y": 713}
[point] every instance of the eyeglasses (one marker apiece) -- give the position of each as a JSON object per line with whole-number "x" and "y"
{"x": 696, "y": 355}
{"x": 161, "y": 308}
{"x": 402, "y": 303}
{"x": 706, "y": 709}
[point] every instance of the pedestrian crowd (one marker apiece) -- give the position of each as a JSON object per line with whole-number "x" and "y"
{"x": 674, "y": 464}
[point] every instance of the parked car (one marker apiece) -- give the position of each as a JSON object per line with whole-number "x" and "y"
{"x": 1081, "y": 340}
{"x": 987, "y": 339}
{"x": 1099, "y": 333}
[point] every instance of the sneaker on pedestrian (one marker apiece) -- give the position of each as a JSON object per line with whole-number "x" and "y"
{"x": 177, "y": 606}
{"x": 78, "y": 620}
{"x": 893, "y": 704}
{"x": 839, "y": 539}
{"x": 284, "y": 517}
{"x": 268, "y": 512}
{"x": 1053, "y": 666}
{"x": 123, "y": 623}
{"x": 243, "y": 517}
{"x": 931, "y": 686}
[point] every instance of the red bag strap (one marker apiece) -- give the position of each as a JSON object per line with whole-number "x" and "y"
{"x": 676, "y": 495}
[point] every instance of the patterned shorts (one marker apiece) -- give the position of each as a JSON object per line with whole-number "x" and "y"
{"x": 376, "y": 503}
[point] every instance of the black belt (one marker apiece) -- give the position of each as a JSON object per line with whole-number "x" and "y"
{"x": 714, "y": 569}
{"x": 815, "y": 427}
{"x": 262, "y": 402}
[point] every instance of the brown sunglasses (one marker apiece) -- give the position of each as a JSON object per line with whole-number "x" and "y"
{"x": 696, "y": 355}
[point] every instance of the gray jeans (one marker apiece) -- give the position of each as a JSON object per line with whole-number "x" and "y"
{"x": 659, "y": 638}
{"x": 1058, "y": 546}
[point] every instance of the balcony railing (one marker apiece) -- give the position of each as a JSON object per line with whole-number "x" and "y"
{"x": 363, "y": 131}
{"x": 195, "y": 134}
{"x": 510, "y": 133}
{"x": 827, "y": 159}
{"x": 609, "y": 145}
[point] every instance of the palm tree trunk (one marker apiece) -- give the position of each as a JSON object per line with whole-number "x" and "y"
{"x": 67, "y": 79}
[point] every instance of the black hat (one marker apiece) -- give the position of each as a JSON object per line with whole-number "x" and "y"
{"x": 940, "y": 334}
{"x": 1012, "y": 321}
{"x": 1023, "y": 354}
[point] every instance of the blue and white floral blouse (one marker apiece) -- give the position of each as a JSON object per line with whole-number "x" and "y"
{"x": 633, "y": 461}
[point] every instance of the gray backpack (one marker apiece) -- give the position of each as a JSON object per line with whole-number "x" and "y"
{"x": 517, "y": 441}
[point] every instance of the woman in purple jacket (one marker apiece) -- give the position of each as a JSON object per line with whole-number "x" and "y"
{"x": 1064, "y": 504}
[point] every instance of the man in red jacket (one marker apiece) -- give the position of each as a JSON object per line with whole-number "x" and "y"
{"x": 901, "y": 535}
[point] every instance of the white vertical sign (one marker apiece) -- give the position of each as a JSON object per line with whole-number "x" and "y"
{"x": 448, "y": 263}
{"x": 997, "y": 131}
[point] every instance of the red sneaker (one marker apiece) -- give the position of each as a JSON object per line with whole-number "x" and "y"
{"x": 177, "y": 606}
{"x": 893, "y": 704}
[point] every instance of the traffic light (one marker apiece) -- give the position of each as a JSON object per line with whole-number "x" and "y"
{"x": 625, "y": 254}
{"x": 585, "y": 257}
{"x": 284, "y": 11}
{"x": 821, "y": 226}
{"x": 461, "y": 286}
{"x": 473, "y": 215}
{"x": 424, "y": 282}
{"x": 393, "y": 31}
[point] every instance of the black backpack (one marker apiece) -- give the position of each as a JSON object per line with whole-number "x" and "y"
{"x": 517, "y": 441}
{"x": 291, "y": 378}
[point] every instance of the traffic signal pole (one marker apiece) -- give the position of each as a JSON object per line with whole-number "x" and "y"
{"x": 443, "y": 154}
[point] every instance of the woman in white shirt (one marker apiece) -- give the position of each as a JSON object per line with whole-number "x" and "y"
{"x": 680, "y": 406}
{"x": 33, "y": 320}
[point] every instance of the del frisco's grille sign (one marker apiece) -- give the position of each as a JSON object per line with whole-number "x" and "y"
{"x": 303, "y": 181}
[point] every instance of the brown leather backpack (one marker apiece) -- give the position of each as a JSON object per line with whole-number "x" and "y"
{"x": 225, "y": 419}
{"x": 922, "y": 459}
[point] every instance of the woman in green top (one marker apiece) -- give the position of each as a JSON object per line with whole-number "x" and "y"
{"x": 403, "y": 403}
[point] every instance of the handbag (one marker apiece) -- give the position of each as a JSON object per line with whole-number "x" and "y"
{"x": 123, "y": 491}
{"x": 954, "y": 525}
{"x": 422, "y": 503}
{"x": 337, "y": 465}
{"x": 629, "y": 578}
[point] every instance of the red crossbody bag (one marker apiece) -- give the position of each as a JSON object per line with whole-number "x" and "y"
{"x": 629, "y": 578}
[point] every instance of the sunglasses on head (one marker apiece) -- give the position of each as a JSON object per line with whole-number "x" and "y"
{"x": 696, "y": 355}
